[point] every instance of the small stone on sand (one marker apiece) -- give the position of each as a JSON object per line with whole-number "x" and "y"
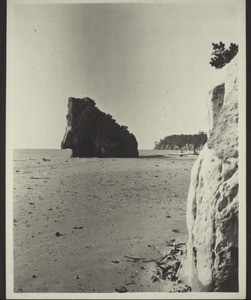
{"x": 121, "y": 289}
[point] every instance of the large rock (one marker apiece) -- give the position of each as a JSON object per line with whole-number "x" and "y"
{"x": 211, "y": 260}
{"x": 91, "y": 133}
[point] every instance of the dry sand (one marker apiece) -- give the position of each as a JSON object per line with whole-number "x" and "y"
{"x": 75, "y": 220}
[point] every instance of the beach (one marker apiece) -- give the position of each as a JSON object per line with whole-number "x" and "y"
{"x": 94, "y": 225}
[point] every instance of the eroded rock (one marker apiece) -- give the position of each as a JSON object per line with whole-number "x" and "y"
{"x": 211, "y": 260}
{"x": 93, "y": 133}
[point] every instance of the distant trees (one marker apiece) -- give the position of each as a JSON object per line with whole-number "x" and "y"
{"x": 221, "y": 55}
{"x": 188, "y": 141}
{"x": 199, "y": 140}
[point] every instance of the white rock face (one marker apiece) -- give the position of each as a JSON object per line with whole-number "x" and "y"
{"x": 211, "y": 261}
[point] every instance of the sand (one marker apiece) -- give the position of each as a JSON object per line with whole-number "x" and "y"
{"x": 76, "y": 220}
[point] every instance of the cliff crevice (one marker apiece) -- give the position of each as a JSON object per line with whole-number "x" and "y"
{"x": 211, "y": 259}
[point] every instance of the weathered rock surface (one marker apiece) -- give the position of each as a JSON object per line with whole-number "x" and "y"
{"x": 92, "y": 133}
{"x": 211, "y": 260}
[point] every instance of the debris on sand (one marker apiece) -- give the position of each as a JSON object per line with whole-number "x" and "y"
{"x": 121, "y": 289}
{"x": 58, "y": 234}
{"x": 115, "y": 261}
{"x": 134, "y": 258}
{"x": 154, "y": 278}
{"x": 167, "y": 267}
{"x": 32, "y": 177}
{"x": 137, "y": 259}
{"x": 46, "y": 159}
{"x": 76, "y": 227}
{"x": 130, "y": 283}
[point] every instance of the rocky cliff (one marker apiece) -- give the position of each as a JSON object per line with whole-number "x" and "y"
{"x": 93, "y": 133}
{"x": 211, "y": 260}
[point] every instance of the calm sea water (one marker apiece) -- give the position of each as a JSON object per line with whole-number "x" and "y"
{"x": 24, "y": 154}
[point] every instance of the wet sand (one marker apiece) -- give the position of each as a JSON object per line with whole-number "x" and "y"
{"x": 76, "y": 222}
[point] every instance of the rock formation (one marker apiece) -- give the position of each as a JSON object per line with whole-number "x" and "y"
{"x": 211, "y": 259}
{"x": 182, "y": 142}
{"x": 92, "y": 133}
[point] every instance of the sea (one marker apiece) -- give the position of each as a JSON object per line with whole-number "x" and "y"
{"x": 23, "y": 154}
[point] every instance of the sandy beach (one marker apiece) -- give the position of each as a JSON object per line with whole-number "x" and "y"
{"x": 81, "y": 224}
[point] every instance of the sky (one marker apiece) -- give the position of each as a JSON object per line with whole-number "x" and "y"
{"x": 146, "y": 64}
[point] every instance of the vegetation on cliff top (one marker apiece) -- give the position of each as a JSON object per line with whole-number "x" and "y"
{"x": 222, "y": 56}
{"x": 187, "y": 141}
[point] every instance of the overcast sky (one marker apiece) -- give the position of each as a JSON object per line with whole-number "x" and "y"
{"x": 146, "y": 64}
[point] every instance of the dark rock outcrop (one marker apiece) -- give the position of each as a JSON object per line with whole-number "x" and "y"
{"x": 93, "y": 133}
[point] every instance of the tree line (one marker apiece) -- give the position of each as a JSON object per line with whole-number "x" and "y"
{"x": 182, "y": 141}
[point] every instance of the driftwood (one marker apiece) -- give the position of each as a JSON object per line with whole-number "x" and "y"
{"x": 182, "y": 154}
{"x": 142, "y": 259}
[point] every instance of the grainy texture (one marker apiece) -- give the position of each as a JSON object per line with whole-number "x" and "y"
{"x": 75, "y": 220}
{"x": 211, "y": 262}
